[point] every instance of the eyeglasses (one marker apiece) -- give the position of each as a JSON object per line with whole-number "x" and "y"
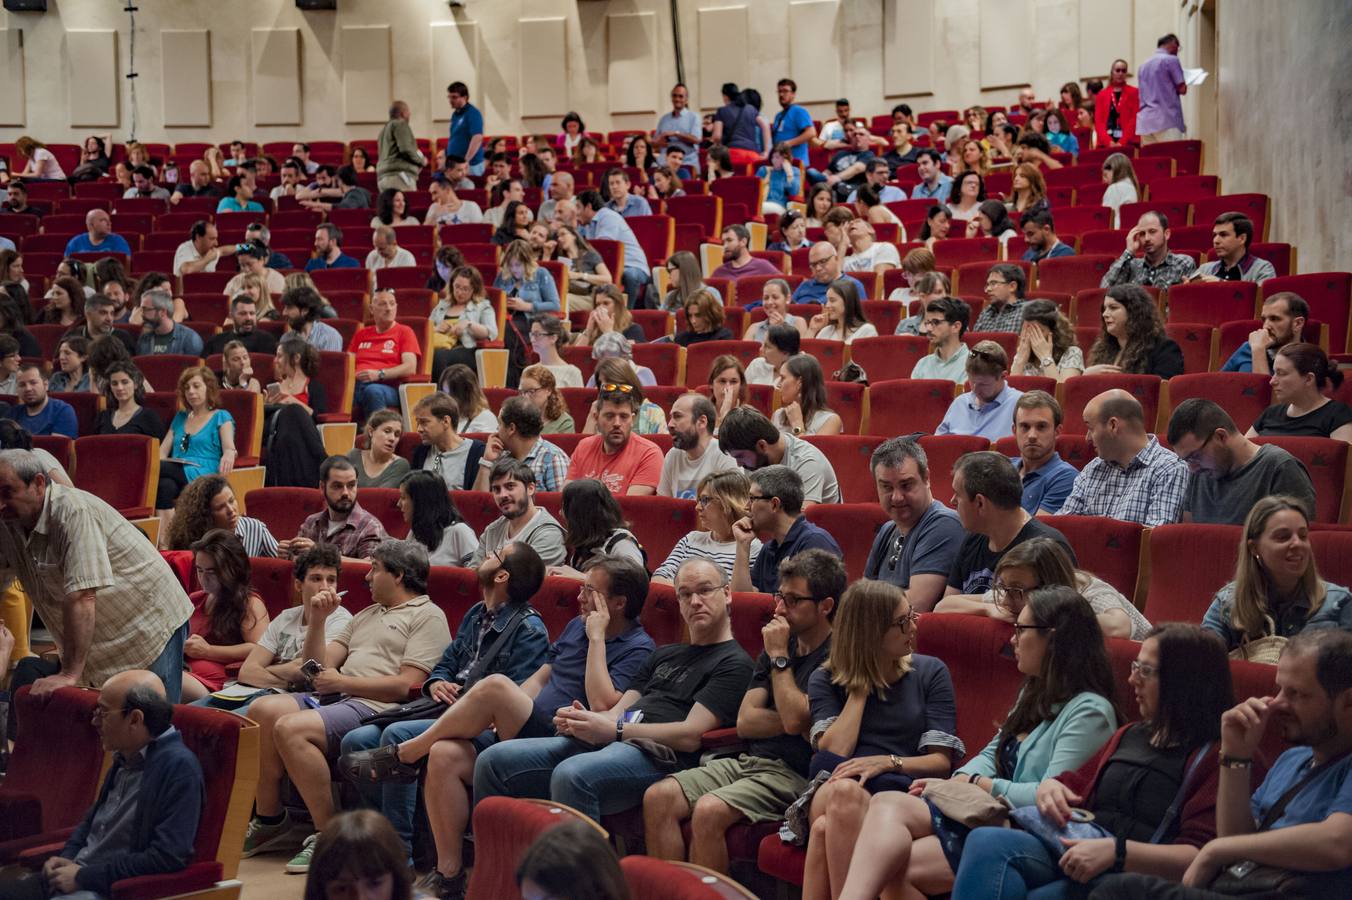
{"x": 1195, "y": 457}
{"x": 818, "y": 263}
{"x": 622, "y": 388}
{"x": 995, "y": 282}
{"x": 791, "y": 599}
{"x": 1004, "y": 592}
{"x": 703, "y": 590}
{"x": 752, "y": 498}
{"x": 907, "y": 621}
{"x": 100, "y": 713}
{"x": 703, "y": 500}
{"x": 1144, "y": 670}
{"x": 1020, "y": 629}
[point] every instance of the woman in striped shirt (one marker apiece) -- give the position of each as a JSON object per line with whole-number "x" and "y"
{"x": 721, "y": 499}
{"x": 207, "y": 503}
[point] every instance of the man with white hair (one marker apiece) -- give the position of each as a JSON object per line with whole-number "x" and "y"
{"x": 160, "y": 333}
{"x": 399, "y": 159}
{"x": 99, "y": 237}
{"x": 386, "y": 252}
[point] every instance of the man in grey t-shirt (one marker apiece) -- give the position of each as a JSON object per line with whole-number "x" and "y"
{"x": 694, "y": 454}
{"x": 512, "y": 484}
{"x": 754, "y": 442}
{"x": 1230, "y": 472}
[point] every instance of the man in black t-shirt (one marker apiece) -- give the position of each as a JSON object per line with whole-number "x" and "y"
{"x": 988, "y": 492}
{"x": 244, "y": 316}
{"x": 848, "y": 168}
{"x": 603, "y": 760}
{"x": 760, "y": 784}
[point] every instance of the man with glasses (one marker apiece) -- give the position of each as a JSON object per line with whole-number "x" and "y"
{"x": 775, "y": 513}
{"x": 825, "y": 263}
{"x": 1005, "y": 284}
{"x": 1230, "y": 473}
{"x": 915, "y": 550}
{"x": 760, "y": 784}
{"x": 694, "y": 455}
{"x": 1115, "y": 109}
{"x": 512, "y": 484}
{"x": 342, "y": 523}
{"x": 943, "y": 325}
{"x": 626, "y": 463}
{"x": 146, "y": 815}
{"x": 159, "y": 332}
{"x": 595, "y": 763}
{"x": 986, "y": 409}
{"x": 443, "y": 451}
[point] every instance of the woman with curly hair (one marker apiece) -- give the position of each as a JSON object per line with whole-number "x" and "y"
{"x": 207, "y": 503}
{"x": 1133, "y": 339}
{"x": 392, "y": 209}
{"x": 1046, "y": 343}
{"x": 227, "y": 619}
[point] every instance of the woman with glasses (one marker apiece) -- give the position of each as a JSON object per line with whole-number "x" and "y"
{"x": 227, "y": 619}
{"x": 1039, "y": 563}
{"x": 1115, "y": 109}
{"x": 538, "y": 385}
{"x": 548, "y": 337}
{"x": 1064, "y": 713}
{"x": 200, "y": 441}
{"x": 882, "y": 716}
{"x": 966, "y": 196}
{"x": 462, "y": 317}
{"x": 720, "y": 500}
{"x": 803, "y": 405}
{"x": 685, "y": 279}
{"x": 1152, "y": 787}
{"x": 595, "y": 527}
{"x": 434, "y": 521}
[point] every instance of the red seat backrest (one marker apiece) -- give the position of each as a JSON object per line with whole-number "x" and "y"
{"x": 1079, "y": 391}
{"x": 891, "y": 356}
{"x": 854, "y": 526}
{"x": 54, "y": 770}
{"x": 1188, "y": 564}
{"x": 283, "y": 509}
{"x": 906, "y": 405}
{"x": 1244, "y": 395}
{"x": 1326, "y": 461}
{"x": 849, "y": 456}
{"x": 1108, "y": 548}
{"x": 659, "y": 522}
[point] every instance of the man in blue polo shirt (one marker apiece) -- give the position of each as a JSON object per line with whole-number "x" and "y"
{"x": 1039, "y": 233}
{"x": 793, "y": 124}
{"x": 775, "y": 512}
{"x": 824, "y": 261}
{"x": 986, "y": 409}
{"x": 600, "y": 221}
{"x": 680, "y": 130}
{"x": 467, "y": 129}
{"x": 934, "y": 184}
{"x": 1047, "y": 478}
{"x": 37, "y": 412}
{"x": 99, "y": 237}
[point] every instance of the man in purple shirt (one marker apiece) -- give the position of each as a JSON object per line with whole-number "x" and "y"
{"x": 737, "y": 258}
{"x": 1160, "y": 79}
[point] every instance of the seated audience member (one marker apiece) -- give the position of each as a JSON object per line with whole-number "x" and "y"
{"x": 72, "y": 366}
{"x": 1005, "y": 286}
{"x": 1231, "y": 238}
{"x": 350, "y": 195}
{"x": 1284, "y": 317}
{"x": 1047, "y": 345}
{"x": 1047, "y": 478}
{"x": 379, "y": 465}
{"x": 38, "y": 413}
{"x": 574, "y": 859}
{"x": 1065, "y": 711}
{"x": 1039, "y": 233}
{"x": 620, "y": 370}
{"x": 792, "y": 233}
{"x": 780, "y": 342}
{"x": 824, "y": 262}
{"x": 759, "y": 785}
{"x": 883, "y": 716}
{"x": 243, "y": 328}
{"x": 685, "y": 277}
{"x": 842, "y": 317}
{"x": 99, "y": 314}
{"x": 1133, "y": 340}
{"x": 548, "y": 336}
{"x": 775, "y": 301}
{"x": 915, "y": 266}
{"x": 518, "y": 436}
{"x": 209, "y": 503}
{"x": 253, "y": 258}
{"x": 444, "y": 451}
{"x": 916, "y": 548}
{"x": 386, "y": 252}
{"x": 966, "y": 196}
{"x": 934, "y": 184}
{"x": 721, "y": 499}
{"x": 943, "y": 325}
{"x": 625, "y": 462}
{"x": 1123, "y": 187}
{"x": 539, "y": 387}
{"x": 848, "y": 167}
{"x": 1300, "y": 375}
{"x": 160, "y": 333}
{"x": 200, "y": 440}
{"x": 145, "y": 818}
{"x": 1182, "y": 684}
{"x": 1028, "y": 196}
{"x": 342, "y": 523}
{"x": 1156, "y": 267}
{"x": 124, "y": 390}
{"x": 608, "y": 631}
{"x": 512, "y": 484}
{"x": 98, "y": 237}
{"x": 704, "y": 318}
{"x": 802, "y": 399}
{"x": 236, "y": 372}
{"x": 239, "y": 197}
{"x": 868, "y": 254}
{"x": 985, "y": 409}
{"x": 1306, "y": 790}
{"x": 1132, "y": 477}
{"x": 385, "y": 350}
{"x": 774, "y": 512}
{"x": 434, "y": 521}
{"x": 228, "y": 617}
{"x": 359, "y": 855}
{"x": 986, "y": 494}
{"x": 992, "y": 220}
{"x": 1277, "y": 591}
{"x": 461, "y": 318}
{"x": 695, "y": 453}
{"x": 754, "y": 442}
{"x": 328, "y": 253}
{"x": 1040, "y": 563}
{"x": 737, "y": 258}
{"x": 1230, "y": 472}
{"x": 684, "y": 690}
{"x": 302, "y": 307}
{"x": 594, "y": 526}
{"x": 383, "y": 651}
{"x": 876, "y": 175}
{"x": 620, "y": 199}
{"x": 65, "y": 302}
{"x": 728, "y": 386}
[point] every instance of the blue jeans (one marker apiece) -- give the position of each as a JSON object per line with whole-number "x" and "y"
{"x": 372, "y": 396}
{"x": 634, "y": 281}
{"x": 610, "y": 779}
{"x": 1007, "y": 864}
{"x": 476, "y": 168}
{"x": 169, "y": 664}
{"x": 398, "y": 802}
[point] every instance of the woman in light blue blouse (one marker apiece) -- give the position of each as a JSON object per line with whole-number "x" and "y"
{"x": 1064, "y": 714}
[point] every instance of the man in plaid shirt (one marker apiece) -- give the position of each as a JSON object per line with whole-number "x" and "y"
{"x": 1134, "y": 478}
{"x": 1005, "y": 286}
{"x": 1158, "y": 267}
{"x": 519, "y": 427}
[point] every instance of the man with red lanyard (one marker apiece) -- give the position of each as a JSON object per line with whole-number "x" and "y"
{"x": 385, "y": 350}
{"x": 1115, "y": 109}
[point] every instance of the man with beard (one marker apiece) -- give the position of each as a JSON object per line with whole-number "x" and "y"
{"x": 1047, "y": 478}
{"x": 244, "y": 321}
{"x": 754, "y": 442}
{"x": 1299, "y": 821}
{"x": 621, "y": 460}
{"x": 342, "y": 523}
{"x": 1284, "y": 317}
{"x": 512, "y": 483}
{"x": 301, "y": 307}
{"x": 520, "y": 425}
{"x": 1156, "y": 267}
{"x": 694, "y": 455}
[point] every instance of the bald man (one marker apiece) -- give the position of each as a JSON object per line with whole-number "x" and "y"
{"x": 198, "y": 184}
{"x": 1134, "y": 478}
{"x": 825, "y": 263}
{"x": 560, "y": 189}
{"x": 399, "y": 160}
{"x": 145, "y": 819}
{"x": 99, "y": 237}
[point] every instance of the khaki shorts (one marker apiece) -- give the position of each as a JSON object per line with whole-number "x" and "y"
{"x": 757, "y": 787}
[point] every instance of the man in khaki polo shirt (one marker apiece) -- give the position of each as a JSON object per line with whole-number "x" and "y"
{"x": 385, "y": 650}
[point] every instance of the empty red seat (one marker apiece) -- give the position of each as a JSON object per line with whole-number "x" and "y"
{"x": 849, "y": 456}
{"x": 700, "y": 357}
{"x": 891, "y": 356}
{"x": 341, "y": 279}
{"x": 283, "y": 509}
{"x": 1244, "y": 395}
{"x": 1076, "y": 220}
{"x": 1188, "y": 564}
{"x": 1189, "y": 188}
{"x": 1073, "y": 273}
{"x": 1212, "y": 302}
{"x": 1080, "y": 390}
{"x": 1326, "y": 461}
{"x": 853, "y": 525}
{"x": 907, "y": 406}
{"x": 659, "y": 522}
{"x": 1195, "y": 342}
{"x": 943, "y": 451}
{"x": 1186, "y": 154}
{"x": 956, "y": 251}
{"x": 1109, "y": 548}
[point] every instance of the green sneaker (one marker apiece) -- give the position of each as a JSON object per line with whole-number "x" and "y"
{"x": 300, "y": 863}
{"x": 259, "y": 838}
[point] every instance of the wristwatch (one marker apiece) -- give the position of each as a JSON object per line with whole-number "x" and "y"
{"x": 779, "y": 662}
{"x": 1046, "y": 361}
{"x": 1235, "y": 762}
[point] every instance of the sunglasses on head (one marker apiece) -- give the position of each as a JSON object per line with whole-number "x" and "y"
{"x": 622, "y": 388}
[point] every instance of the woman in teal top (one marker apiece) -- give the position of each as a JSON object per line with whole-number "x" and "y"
{"x": 239, "y": 197}
{"x": 1064, "y": 714}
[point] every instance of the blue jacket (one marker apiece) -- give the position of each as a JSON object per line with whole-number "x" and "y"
{"x": 529, "y": 649}
{"x": 167, "y": 812}
{"x": 181, "y": 340}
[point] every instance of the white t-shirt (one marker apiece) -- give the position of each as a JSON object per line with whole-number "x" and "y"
{"x": 681, "y": 477}
{"x": 458, "y": 544}
{"x": 45, "y": 164}
{"x": 403, "y": 259}
{"x": 760, "y": 372}
{"x": 452, "y": 464}
{"x": 702, "y": 544}
{"x": 829, "y": 333}
{"x": 187, "y": 253}
{"x": 1118, "y": 193}
{"x": 566, "y": 375}
{"x": 819, "y": 420}
{"x": 484, "y": 423}
{"x": 285, "y": 635}
{"x": 468, "y": 213}
{"x": 880, "y": 252}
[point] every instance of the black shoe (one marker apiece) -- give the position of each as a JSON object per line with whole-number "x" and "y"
{"x": 443, "y": 887}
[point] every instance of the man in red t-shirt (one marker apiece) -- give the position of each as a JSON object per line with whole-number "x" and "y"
{"x": 385, "y": 351}
{"x": 621, "y": 460}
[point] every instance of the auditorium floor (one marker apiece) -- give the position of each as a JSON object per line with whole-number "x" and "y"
{"x": 265, "y": 878}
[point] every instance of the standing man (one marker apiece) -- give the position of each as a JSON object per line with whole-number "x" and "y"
{"x": 400, "y": 160}
{"x": 680, "y": 128}
{"x": 1047, "y": 478}
{"x": 109, "y": 598}
{"x": 793, "y": 123}
{"x": 467, "y": 129}
{"x": 944, "y": 323}
{"x": 1161, "y": 86}
{"x": 694, "y": 454}
{"x": 1284, "y": 316}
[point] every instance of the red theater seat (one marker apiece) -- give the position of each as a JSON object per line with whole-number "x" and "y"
{"x": 1188, "y": 564}
{"x": 1079, "y": 391}
{"x": 890, "y": 356}
{"x": 1109, "y": 548}
{"x": 659, "y": 523}
{"x": 504, "y": 827}
{"x": 273, "y": 579}
{"x": 1073, "y": 273}
{"x": 1244, "y": 395}
{"x": 1195, "y": 342}
{"x": 54, "y": 770}
{"x": 943, "y": 451}
{"x": 283, "y": 509}
{"x": 906, "y": 406}
{"x": 849, "y": 455}
{"x": 383, "y": 503}
{"x": 1213, "y": 302}
{"x": 853, "y": 525}
{"x": 1326, "y": 461}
